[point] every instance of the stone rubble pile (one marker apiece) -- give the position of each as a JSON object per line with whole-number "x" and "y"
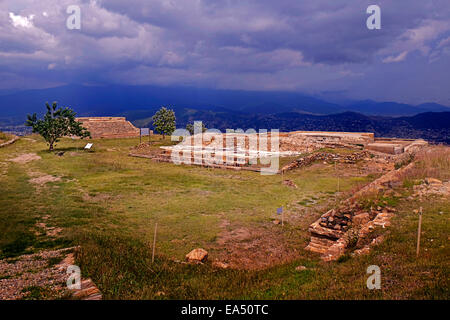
{"x": 432, "y": 186}
{"x": 338, "y": 228}
{"x": 335, "y": 230}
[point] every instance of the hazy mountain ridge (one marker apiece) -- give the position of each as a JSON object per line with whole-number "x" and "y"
{"x": 108, "y": 100}
{"x": 432, "y": 126}
{"x": 223, "y": 109}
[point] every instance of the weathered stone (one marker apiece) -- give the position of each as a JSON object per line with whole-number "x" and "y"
{"x": 300, "y": 268}
{"x": 361, "y": 219}
{"x": 317, "y": 229}
{"x": 433, "y": 181}
{"x": 221, "y": 265}
{"x": 290, "y": 183}
{"x": 197, "y": 255}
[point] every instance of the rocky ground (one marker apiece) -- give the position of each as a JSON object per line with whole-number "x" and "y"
{"x": 35, "y": 276}
{"x": 42, "y": 275}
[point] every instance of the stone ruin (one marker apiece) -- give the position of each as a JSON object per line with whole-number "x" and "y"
{"x": 333, "y": 233}
{"x": 394, "y": 146}
{"x": 109, "y": 127}
{"x": 247, "y": 151}
{"x": 244, "y": 149}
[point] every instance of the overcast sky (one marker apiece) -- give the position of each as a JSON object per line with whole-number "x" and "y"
{"x": 307, "y": 46}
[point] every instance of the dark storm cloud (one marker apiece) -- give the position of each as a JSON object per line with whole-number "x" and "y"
{"x": 261, "y": 44}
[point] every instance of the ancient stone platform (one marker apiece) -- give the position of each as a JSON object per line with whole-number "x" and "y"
{"x": 109, "y": 127}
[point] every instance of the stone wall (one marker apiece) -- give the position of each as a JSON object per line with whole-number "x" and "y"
{"x": 109, "y": 127}
{"x": 341, "y": 137}
{"x": 395, "y": 146}
{"x": 324, "y": 156}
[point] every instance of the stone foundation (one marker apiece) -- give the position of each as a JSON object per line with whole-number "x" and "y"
{"x": 395, "y": 146}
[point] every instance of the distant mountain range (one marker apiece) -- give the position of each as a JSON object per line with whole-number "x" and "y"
{"x": 432, "y": 126}
{"x": 224, "y": 109}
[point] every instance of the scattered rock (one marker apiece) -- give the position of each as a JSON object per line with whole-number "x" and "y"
{"x": 377, "y": 240}
{"x": 221, "y": 265}
{"x": 361, "y": 219}
{"x": 432, "y": 187}
{"x": 197, "y": 255}
{"x": 364, "y": 250}
{"x": 300, "y": 268}
{"x": 290, "y": 183}
{"x": 433, "y": 181}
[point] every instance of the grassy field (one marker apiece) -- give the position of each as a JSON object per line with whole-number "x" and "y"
{"x": 4, "y": 137}
{"x": 108, "y": 203}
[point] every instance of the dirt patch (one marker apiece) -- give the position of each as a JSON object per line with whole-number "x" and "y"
{"x": 25, "y": 158}
{"x": 43, "y": 229}
{"x": 264, "y": 245}
{"x": 96, "y": 198}
{"x": 42, "y": 180}
{"x": 253, "y": 248}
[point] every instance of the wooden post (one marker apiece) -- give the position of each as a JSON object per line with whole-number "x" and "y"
{"x": 336, "y": 194}
{"x": 419, "y": 231}
{"x": 154, "y": 243}
{"x": 335, "y": 171}
{"x": 140, "y": 135}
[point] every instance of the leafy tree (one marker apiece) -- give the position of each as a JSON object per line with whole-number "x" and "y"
{"x": 57, "y": 123}
{"x": 164, "y": 121}
{"x": 190, "y": 128}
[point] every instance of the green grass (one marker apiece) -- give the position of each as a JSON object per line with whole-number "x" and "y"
{"x": 4, "y": 137}
{"x": 108, "y": 203}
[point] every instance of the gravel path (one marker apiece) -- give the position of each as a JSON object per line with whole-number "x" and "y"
{"x": 25, "y": 276}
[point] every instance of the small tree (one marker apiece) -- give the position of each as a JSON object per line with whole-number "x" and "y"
{"x": 190, "y": 128}
{"x": 164, "y": 121}
{"x": 57, "y": 123}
